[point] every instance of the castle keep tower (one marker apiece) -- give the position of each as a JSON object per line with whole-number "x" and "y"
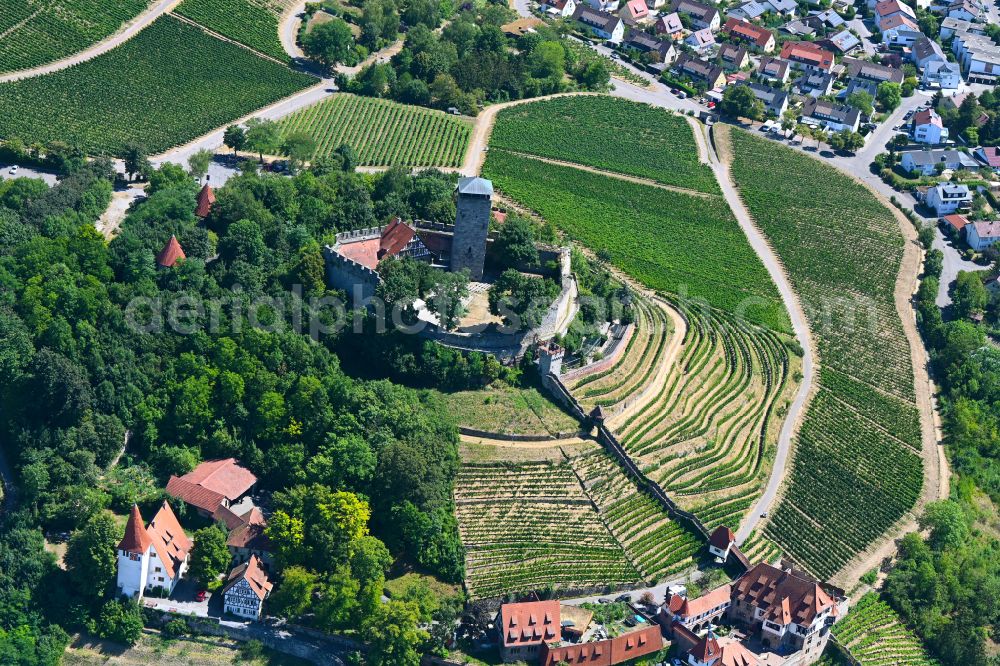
{"x": 472, "y": 222}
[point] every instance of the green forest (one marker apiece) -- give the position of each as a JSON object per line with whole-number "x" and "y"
{"x": 361, "y": 469}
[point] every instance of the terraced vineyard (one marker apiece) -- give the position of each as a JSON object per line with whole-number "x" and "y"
{"x": 132, "y": 92}
{"x": 874, "y": 634}
{"x": 383, "y": 132}
{"x": 529, "y": 526}
{"x": 857, "y": 469}
{"x": 697, "y": 419}
{"x": 253, "y": 23}
{"x": 667, "y": 240}
{"x": 657, "y": 545}
{"x": 37, "y": 32}
{"x": 648, "y": 141}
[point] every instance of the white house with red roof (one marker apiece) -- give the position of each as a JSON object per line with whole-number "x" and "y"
{"x": 710, "y": 651}
{"x": 806, "y": 56}
{"x": 560, "y": 8}
{"x": 246, "y": 589}
{"x": 153, "y": 556}
{"x": 720, "y": 541}
{"x": 929, "y": 128}
{"x": 212, "y": 486}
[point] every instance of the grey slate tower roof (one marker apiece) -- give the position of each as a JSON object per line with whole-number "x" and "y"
{"x": 475, "y": 187}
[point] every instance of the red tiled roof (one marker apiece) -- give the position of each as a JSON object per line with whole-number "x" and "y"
{"x": 395, "y": 237}
{"x": 756, "y": 34}
{"x": 807, "y": 53}
{"x": 530, "y": 622}
{"x": 250, "y": 532}
{"x": 608, "y": 652}
{"x": 707, "y": 649}
{"x": 734, "y": 654}
{"x": 895, "y": 21}
{"x": 706, "y": 602}
{"x": 637, "y": 8}
{"x": 957, "y": 222}
{"x": 226, "y": 477}
{"x": 171, "y": 253}
{"x": 765, "y": 586}
{"x": 171, "y": 543}
{"x": 203, "y": 498}
{"x": 992, "y": 155}
{"x": 927, "y": 117}
{"x": 887, "y": 7}
{"x": 364, "y": 252}
{"x": 136, "y": 539}
{"x": 205, "y": 200}
{"x": 254, "y": 574}
{"x": 224, "y": 515}
{"x": 722, "y": 537}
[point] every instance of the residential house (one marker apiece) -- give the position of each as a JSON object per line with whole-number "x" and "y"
{"x": 949, "y": 26}
{"x": 604, "y": 5}
{"x": 966, "y": 10}
{"x": 701, "y": 40}
{"x": 983, "y": 66}
{"x": 807, "y": 57}
{"x": 859, "y": 85}
{"x": 825, "y": 20}
{"x": 559, "y": 8}
{"x": 212, "y": 485}
{"x": 864, "y": 69}
{"x": 523, "y": 628}
{"x": 786, "y": 8}
{"x": 981, "y": 235}
{"x": 945, "y": 198}
{"x": 989, "y": 156}
{"x": 899, "y": 31}
{"x": 889, "y": 8}
{"x": 943, "y": 75}
{"x": 954, "y": 224}
{"x": 696, "y": 615}
{"x": 702, "y": 16}
{"x": 721, "y": 541}
{"x": 707, "y": 74}
{"x": 602, "y": 24}
{"x": 925, "y": 51}
{"x": 635, "y": 12}
{"x": 152, "y": 557}
{"x": 773, "y": 69}
{"x": 663, "y": 51}
{"x": 798, "y": 28}
{"x": 928, "y": 162}
{"x": 748, "y": 11}
{"x": 248, "y": 538}
{"x": 670, "y": 25}
{"x": 748, "y": 33}
{"x": 843, "y": 42}
{"x": 733, "y": 56}
{"x": 246, "y": 589}
{"x": 834, "y": 117}
{"x": 928, "y": 127}
{"x": 814, "y": 84}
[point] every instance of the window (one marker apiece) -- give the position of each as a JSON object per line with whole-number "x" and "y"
{"x": 157, "y": 570}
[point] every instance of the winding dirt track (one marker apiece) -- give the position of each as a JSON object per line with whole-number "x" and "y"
{"x": 125, "y": 33}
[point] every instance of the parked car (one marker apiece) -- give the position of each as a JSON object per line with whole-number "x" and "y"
{"x": 200, "y": 595}
{"x": 604, "y": 600}
{"x": 682, "y": 95}
{"x": 624, "y": 597}
{"x": 14, "y": 169}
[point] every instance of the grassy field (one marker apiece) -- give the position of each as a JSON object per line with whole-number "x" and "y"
{"x": 36, "y": 32}
{"x": 383, "y": 132}
{"x": 608, "y": 133}
{"x": 672, "y": 242}
{"x": 155, "y": 651}
{"x": 860, "y": 437}
{"x": 509, "y": 411}
{"x": 253, "y": 23}
{"x": 132, "y": 93}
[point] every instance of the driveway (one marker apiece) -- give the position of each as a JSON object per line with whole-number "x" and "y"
{"x": 25, "y": 172}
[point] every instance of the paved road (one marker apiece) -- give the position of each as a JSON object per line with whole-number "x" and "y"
{"x": 522, "y": 7}
{"x": 130, "y": 30}
{"x": 289, "y": 29}
{"x": 659, "y": 591}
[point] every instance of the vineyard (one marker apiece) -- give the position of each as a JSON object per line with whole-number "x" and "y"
{"x": 383, "y": 132}
{"x": 857, "y": 469}
{"x": 253, "y": 23}
{"x": 696, "y": 415}
{"x": 37, "y": 32}
{"x": 873, "y": 633}
{"x": 530, "y": 525}
{"x": 669, "y": 241}
{"x": 608, "y": 133}
{"x": 132, "y": 92}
